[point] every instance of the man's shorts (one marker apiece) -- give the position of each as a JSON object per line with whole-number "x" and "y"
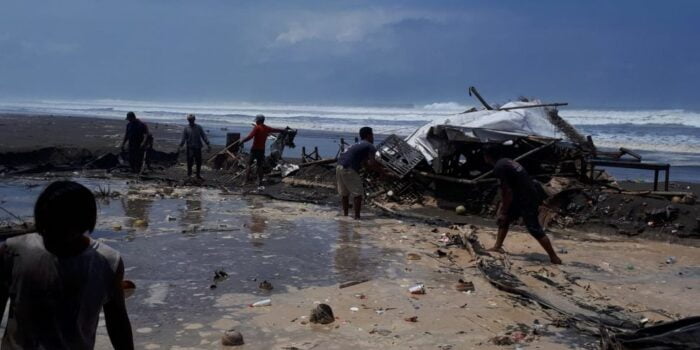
{"x": 529, "y": 213}
{"x": 257, "y": 155}
{"x": 349, "y": 182}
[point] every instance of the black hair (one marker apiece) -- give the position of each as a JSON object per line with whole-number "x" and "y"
{"x": 65, "y": 208}
{"x": 493, "y": 151}
{"x": 365, "y": 132}
{"x": 131, "y": 115}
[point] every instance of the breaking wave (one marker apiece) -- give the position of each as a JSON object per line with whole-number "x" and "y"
{"x": 671, "y": 130}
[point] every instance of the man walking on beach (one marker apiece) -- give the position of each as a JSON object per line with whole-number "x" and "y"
{"x": 259, "y": 135}
{"x": 193, "y": 135}
{"x": 519, "y": 198}
{"x": 347, "y": 171}
{"x": 138, "y": 136}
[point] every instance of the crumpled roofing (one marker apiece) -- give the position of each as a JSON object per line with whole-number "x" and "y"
{"x": 518, "y": 122}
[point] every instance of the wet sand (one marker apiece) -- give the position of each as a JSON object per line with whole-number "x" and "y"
{"x": 174, "y": 239}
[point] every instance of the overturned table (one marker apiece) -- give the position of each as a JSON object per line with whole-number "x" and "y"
{"x": 656, "y": 167}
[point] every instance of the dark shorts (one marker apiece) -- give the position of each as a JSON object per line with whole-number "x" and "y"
{"x": 529, "y": 213}
{"x": 257, "y": 155}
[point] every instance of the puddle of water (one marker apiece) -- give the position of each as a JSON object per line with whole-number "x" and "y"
{"x": 172, "y": 244}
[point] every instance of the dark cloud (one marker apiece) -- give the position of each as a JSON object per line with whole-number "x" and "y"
{"x": 597, "y": 53}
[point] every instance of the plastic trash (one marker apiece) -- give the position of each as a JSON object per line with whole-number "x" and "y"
{"x": 264, "y": 302}
{"x": 417, "y": 289}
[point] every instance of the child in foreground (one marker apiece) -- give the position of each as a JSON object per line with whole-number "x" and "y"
{"x": 59, "y": 279}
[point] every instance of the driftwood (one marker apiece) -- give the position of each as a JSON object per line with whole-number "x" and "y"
{"x": 307, "y": 183}
{"x": 496, "y": 273}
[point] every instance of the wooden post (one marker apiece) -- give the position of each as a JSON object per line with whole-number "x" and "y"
{"x": 656, "y": 179}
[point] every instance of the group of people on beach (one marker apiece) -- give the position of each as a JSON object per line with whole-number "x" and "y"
{"x": 140, "y": 142}
{"x": 58, "y": 279}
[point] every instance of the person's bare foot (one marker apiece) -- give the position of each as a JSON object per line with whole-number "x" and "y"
{"x": 555, "y": 260}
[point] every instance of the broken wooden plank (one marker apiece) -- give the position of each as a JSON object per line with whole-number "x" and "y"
{"x": 319, "y": 162}
{"x": 307, "y": 183}
{"x": 522, "y": 156}
{"x": 557, "y": 104}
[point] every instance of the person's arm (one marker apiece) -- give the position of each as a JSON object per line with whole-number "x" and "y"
{"x": 204, "y": 137}
{"x": 116, "y": 318}
{"x": 372, "y": 164}
{"x": 4, "y": 280}
{"x": 126, "y": 137}
{"x": 184, "y": 139}
{"x": 275, "y": 130}
{"x": 250, "y": 136}
{"x": 146, "y": 135}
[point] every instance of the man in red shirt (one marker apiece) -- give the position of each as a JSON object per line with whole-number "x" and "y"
{"x": 259, "y": 135}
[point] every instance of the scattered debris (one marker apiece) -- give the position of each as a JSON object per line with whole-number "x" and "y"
{"x": 264, "y": 302}
{"x": 417, "y": 289}
{"x": 411, "y": 319}
{"x": 352, "y": 283}
{"x": 680, "y": 334}
{"x": 232, "y": 337}
{"x": 322, "y": 314}
{"x": 413, "y": 256}
{"x": 265, "y": 285}
{"x": 465, "y": 286}
{"x": 382, "y": 332}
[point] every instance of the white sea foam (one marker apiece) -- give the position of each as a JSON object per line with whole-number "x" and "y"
{"x": 611, "y": 128}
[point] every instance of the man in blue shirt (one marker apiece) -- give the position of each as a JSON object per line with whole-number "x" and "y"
{"x": 347, "y": 171}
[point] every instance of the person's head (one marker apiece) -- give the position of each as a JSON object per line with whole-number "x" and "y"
{"x": 191, "y": 118}
{"x": 259, "y": 119}
{"x": 64, "y": 211}
{"x": 366, "y": 134}
{"x": 492, "y": 153}
{"x": 131, "y": 116}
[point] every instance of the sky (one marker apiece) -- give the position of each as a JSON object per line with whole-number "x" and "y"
{"x": 623, "y": 54}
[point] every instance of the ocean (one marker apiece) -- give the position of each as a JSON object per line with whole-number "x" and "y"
{"x": 662, "y": 135}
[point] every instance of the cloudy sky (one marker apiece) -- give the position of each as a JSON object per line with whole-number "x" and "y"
{"x": 589, "y": 53}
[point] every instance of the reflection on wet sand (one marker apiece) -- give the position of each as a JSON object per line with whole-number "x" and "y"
{"x": 192, "y": 213}
{"x": 137, "y": 211}
{"x": 257, "y": 224}
{"x": 349, "y": 264}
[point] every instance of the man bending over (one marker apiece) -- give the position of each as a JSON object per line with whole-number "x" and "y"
{"x": 519, "y": 198}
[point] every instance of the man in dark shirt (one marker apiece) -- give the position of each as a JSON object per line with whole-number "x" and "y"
{"x": 193, "y": 135}
{"x": 138, "y": 136}
{"x": 520, "y": 197}
{"x": 259, "y": 136}
{"x": 347, "y": 171}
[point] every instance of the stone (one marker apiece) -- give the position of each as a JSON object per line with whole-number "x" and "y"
{"x": 232, "y": 337}
{"x": 322, "y": 314}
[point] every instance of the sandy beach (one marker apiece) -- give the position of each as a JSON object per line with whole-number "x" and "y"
{"x": 175, "y": 237}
